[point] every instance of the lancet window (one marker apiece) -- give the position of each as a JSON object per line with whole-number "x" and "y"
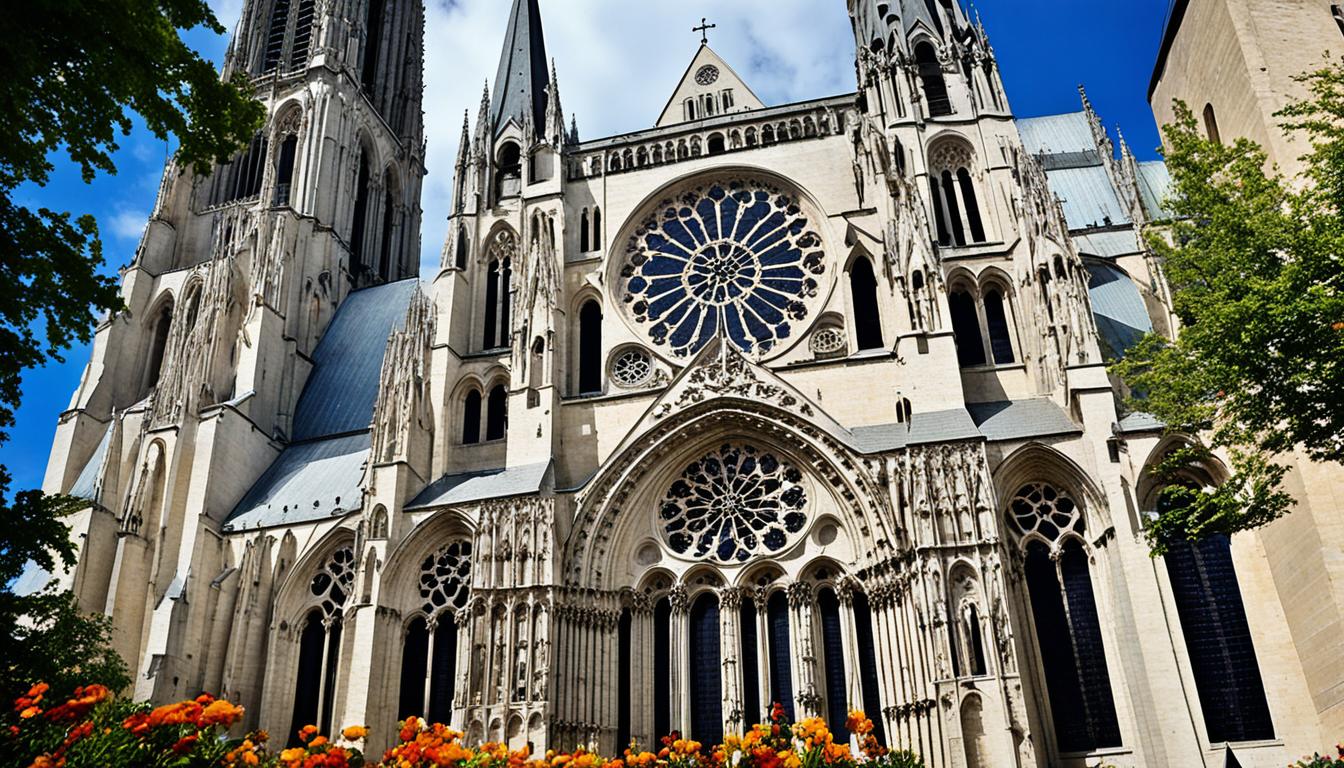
{"x": 320, "y": 642}
{"x": 429, "y": 648}
{"x": 982, "y": 322}
{"x": 590, "y": 348}
{"x": 931, "y": 78}
{"x": 498, "y": 293}
{"x": 1051, "y": 527}
{"x": 863, "y": 295}
{"x": 956, "y": 205}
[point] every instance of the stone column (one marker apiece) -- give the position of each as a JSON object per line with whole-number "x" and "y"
{"x": 808, "y": 699}
{"x": 762, "y": 656}
{"x": 641, "y": 670}
{"x": 680, "y": 650}
{"x": 462, "y": 670}
{"x": 844, "y": 592}
{"x": 730, "y": 610}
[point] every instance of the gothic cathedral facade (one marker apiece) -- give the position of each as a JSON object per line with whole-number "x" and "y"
{"x": 803, "y": 404}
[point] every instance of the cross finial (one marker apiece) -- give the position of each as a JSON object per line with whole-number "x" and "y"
{"x": 703, "y": 29}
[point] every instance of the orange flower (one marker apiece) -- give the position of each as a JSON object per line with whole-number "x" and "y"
{"x": 307, "y": 732}
{"x": 184, "y": 744}
{"x": 137, "y": 724}
{"x": 354, "y": 733}
{"x": 219, "y": 712}
{"x": 30, "y": 712}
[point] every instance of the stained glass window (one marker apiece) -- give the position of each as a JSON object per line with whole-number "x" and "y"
{"x": 623, "y": 692}
{"x": 735, "y": 257}
{"x": 733, "y": 503}
{"x": 662, "y": 672}
{"x": 442, "y": 677}
{"x": 872, "y": 697}
{"x": 781, "y": 676}
{"x": 706, "y": 678}
{"x": 833, "y": 655}
{"x": 414, "y": 658}
{"x": 751, "y": 680}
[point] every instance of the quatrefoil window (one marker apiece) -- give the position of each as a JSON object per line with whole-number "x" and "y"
{"x": 734, "y": 503}
{"x": 445, "y": 578}
{"x": 738, "y": 258}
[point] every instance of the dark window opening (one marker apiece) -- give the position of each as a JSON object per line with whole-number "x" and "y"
{"x": 872, "y": 695}
{"x": 414, "y": 659}
{"x": 833, "y": 659}
{"x": 509, "y": 177}
{"x": 623, "y": 692}
{"x": 284, "y": 172}
{"x": 303, "y": 35}
{"x": 491, "y": 305}
{"x": 952, "y": 210}
{"x": 972, "y": 205}
{"x": 241, "y": 177}
{"x": 1211, "y": 125}
{"x": 751, "y": 675}
{"x": 1072, "y": 653}
{"x": 460, "y": 256}
{"x": 275, "y": 36}
{"x": 590, "y": 348}
{"x": 329, "y": 675}
{"x": 996, "y": 321}
{"x": 716, "y": 144}
{"x": 867, "y": 318}
{"x": 442, "y": 678}
{"x": 373, "y": 41}
{"x": 781, "y": 677}
{"x": 944, "y": 234}
{"x": 158, "y": 345}
{"x": 308, "y": 683}
{"x": 976, "y": 643}
{"x": 966, "y": 329}
{"x": 597, "y": 229}
{"x": 471, "y": 418}
{"x": 705, "y": 678}
{"x": 584, "y": 241}
{"x": 505, "y": 296}
{"x": 931, "y": 76}
{"x": 1218, "y": 638}
{"x": 385, "y": 246}
{"x": 662, "y": 670}
{"x": 1337, "y": 12}
{"x": 497, "y": 413}
{"x": 361, "y": 216}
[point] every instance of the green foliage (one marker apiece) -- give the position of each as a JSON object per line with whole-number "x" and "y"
{"x": 898, "y": 759}
{"x": 1254, "y": 266}
{"x": 1322, "y": 761}
{"x": 74, "y": 71}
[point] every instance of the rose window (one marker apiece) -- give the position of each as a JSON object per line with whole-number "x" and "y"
{"x": 828, "y": 341}
{"x": 734, "y": 503}
{"x": 736, "y": 258}
{"x": 632, "y": 368}
{"x": 1040, "y": 508}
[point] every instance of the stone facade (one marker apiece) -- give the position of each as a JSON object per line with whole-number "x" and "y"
{"x": 1237, "y": 59}
{"x": 803, "y": 403}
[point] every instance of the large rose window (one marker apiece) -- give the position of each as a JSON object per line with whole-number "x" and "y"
{"x": 734, "y": 503}
{"x": 736, "y": 257}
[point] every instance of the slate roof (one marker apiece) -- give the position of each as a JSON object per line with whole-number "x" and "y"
{"x": 1021, "y": 419}
{"x": 86, "y": 485}
{"x": 1088, "y": 197}
{"x": 521, "y": 82}
{"x": 487, "y": 484}
{"x": 1108, "y": 245}
{"x": 340, "y": 393}
{"x": 1141, "y": 422}
{"x": 1067, "y": 134}
{"x": 308, "y": 481}
{"x": 1122, "y": 317}
{"x": 1154, "y": 188}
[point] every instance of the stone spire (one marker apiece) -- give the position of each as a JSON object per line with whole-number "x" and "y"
{"x": 522, "y": 81}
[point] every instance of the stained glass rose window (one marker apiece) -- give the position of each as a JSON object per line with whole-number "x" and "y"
{"x": 733, "y": 503}
{"x": 735, "y": 257}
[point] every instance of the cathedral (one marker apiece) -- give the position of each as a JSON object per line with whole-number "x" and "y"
{"x": 802, "y": 403}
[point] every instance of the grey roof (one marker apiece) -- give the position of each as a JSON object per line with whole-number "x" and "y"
{"x": 942, "y": 426}
{"x": 1088, "y": 197}
{"x": 86, "y": 485}
{"x": 308, "y": 481}
{"x": 881, "y": 437}
{"x": 1155, "y": 188}
{"x": 340, "y": 393}
{"x": 1121, "y": 314}
{"x": 1021, "y": 419}
{"x": 1141, "y": 422}
{"x": 915, "y": 11}
{"x": 1108, "y": 245}
{"x": 521, "y": 82}
{"x": 1067, "y": 134}
{"x": 488, "y": 484}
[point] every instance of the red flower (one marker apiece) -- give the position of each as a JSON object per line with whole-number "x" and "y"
{"x": 184, "y": 744}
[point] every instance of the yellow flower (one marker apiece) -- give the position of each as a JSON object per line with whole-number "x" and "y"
{"x": 354, "y": 733}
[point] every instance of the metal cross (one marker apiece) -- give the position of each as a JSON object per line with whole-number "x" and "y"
{"x": 703, "y": 29}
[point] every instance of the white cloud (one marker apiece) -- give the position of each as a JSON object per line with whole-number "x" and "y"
{"x": 126, "y": 223}
{"x": 618, "y": 62}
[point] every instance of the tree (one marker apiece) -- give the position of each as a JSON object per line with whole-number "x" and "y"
{"x": 74, "y": 70}
{"x": 1253, "y": 260}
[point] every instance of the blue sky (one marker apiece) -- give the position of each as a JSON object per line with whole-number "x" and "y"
{"x": 617, "y": 63}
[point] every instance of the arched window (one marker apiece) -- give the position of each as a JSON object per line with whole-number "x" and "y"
{"x": 931, "y": 77}
{"x": 158, "y": 344}
{"x": 460, "y": 255}
{"x": 284, "y": 170}
{"x": 303, "y": 35}
{"x": 308, "y": 685}
{"x": 1218, "y": 639}
{"x": 872, "y": 696}
{"x": 361, "y": 214}
{"x": 509, "y": 177}
{"x": 956, "y": 207}
{"x": 781, "y": 677}
{"x": 497, "y": 413}
{"x": 1211, "y": 125}
{"x": 583, "y": 232}
{"x": 966, "y": 328}
{"x": 590, "y": 348}
{"x": 275, "y": 36}
{"x": 705, "y": 678}
{"x": 1337, "y": 12}
{"x": 442, "y": 673}
{"x": 624, "y": 698}
{"x": 972, "y": 642}
{"x": 1068, "y": 631}
{"x": 690, "y": 109}
{"x": 414, "y": 661}
{"x": 715, "y": 144}
{"x": 491, "y": 337}
{"x": 373, "y": 41}
{"x": 996, "y": 322}
{"x": 385, "y": 246}
{"x": 863, "y": 293}
{"x": 471, "y": 418}
{"x": 597, "y": 228}
{"x": 752, "y": 711}
{"x": 952, "y": 210}
{"x": 662, "y": 669}
{"x": 972, "y": 206}
{"x": 833, "y": 659}
{"x": 319, "y": 648}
